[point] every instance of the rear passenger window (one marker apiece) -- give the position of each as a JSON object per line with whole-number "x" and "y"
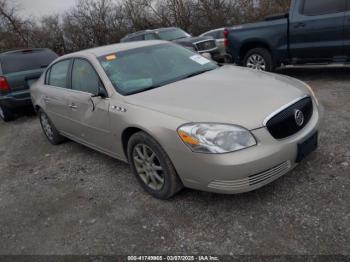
{"x": 137, "y": 38}
{"x": 84, "y": 77}
{"x": 58, "y": 74}
{"x": 322, "y": 7}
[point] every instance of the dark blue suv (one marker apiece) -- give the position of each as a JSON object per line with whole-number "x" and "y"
{"x": 18, "y": 70}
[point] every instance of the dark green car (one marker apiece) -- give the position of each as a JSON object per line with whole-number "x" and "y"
{"x": 18, "y": 70}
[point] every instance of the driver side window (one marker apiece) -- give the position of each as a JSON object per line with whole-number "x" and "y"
{"x": 84, "y": 77}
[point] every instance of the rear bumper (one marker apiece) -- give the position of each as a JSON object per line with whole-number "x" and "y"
{"x": 215, "y": 54}
{"x": 16, "y": 99}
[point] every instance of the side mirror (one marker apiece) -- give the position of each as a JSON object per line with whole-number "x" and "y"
{"x": 101, "y": 92}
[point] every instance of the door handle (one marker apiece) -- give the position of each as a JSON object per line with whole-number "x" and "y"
{"x": 300, "y": 25}
{"x": 73, "y": 106}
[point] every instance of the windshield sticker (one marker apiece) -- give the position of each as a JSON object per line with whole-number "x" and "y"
{"x": 200, "y": 59}
{"x": 111, "y": 57}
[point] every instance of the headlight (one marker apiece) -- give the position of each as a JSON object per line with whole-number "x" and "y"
{"x": 215, "y": 138}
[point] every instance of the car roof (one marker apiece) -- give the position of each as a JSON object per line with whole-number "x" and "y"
{"x": 149, "y": 31}
{"x": 111, "y": 49}
{"x": 165, "y": 28}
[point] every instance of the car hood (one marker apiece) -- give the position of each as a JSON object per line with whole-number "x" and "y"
{"x": 229, "y": 94}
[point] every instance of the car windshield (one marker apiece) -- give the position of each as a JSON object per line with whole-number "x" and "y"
{"x": 138, "y": 70}
{"x": 172, "y": 34}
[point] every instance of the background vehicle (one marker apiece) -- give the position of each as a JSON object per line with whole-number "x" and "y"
{"x": 18, "y": 70}
{"x": 202, "y": 44}
{"x": 312, "y": 32}
{"x": 218, "y": 35}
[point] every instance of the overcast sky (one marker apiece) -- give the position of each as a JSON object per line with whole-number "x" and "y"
{"x": 43, "y": 7}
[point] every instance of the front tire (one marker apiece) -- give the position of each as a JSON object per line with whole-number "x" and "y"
{"x": 259, "y": 59}
{"x": 6, "y": 114}
{"x": 49, "y": 129}
{"x": 152, "y": 167}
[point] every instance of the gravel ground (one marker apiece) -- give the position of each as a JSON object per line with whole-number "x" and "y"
{"x": 72, "y": 200}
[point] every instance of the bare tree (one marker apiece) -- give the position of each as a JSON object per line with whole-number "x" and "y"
{"x": 49, "y": 33}
{"x": 99, "y": 22}
{"x": 13, "y": 28}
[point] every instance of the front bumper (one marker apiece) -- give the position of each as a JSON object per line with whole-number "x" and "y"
{"x": 16, "y": 99}
{"x": 214, "y": 51}
{"x": 214, "y": 54}
{"x": 244, "y": 170}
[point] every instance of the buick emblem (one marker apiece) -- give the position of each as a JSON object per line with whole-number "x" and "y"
{"x": 299, "y": 117}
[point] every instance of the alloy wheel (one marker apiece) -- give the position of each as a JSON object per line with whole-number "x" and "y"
{"x": 257, "y": 62}
{"x": 46, "y": 126}
{"x": 148, "y": 167}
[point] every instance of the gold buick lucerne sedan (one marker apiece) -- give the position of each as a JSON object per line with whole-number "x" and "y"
{"x": 179, "y": 119}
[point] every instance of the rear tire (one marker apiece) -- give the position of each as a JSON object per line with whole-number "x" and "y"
{"x": 259, "y": 59}
{"x": 6, "y": 114}
{"x": 152, "y": 167}
{"x": 49, "y": 129}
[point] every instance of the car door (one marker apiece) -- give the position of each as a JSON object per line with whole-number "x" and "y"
{"x": 317, "y": 30}
{"x": 55, "y": 94}
{"x": 89, "y": 111}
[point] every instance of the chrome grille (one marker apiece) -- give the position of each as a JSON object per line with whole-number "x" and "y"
{"x": 284, "y": 123}
{"x": 206, "y": 45}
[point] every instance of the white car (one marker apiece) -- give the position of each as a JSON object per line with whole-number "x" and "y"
{"x": 218, "y": 35}
{"x": 178, "y": 118}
